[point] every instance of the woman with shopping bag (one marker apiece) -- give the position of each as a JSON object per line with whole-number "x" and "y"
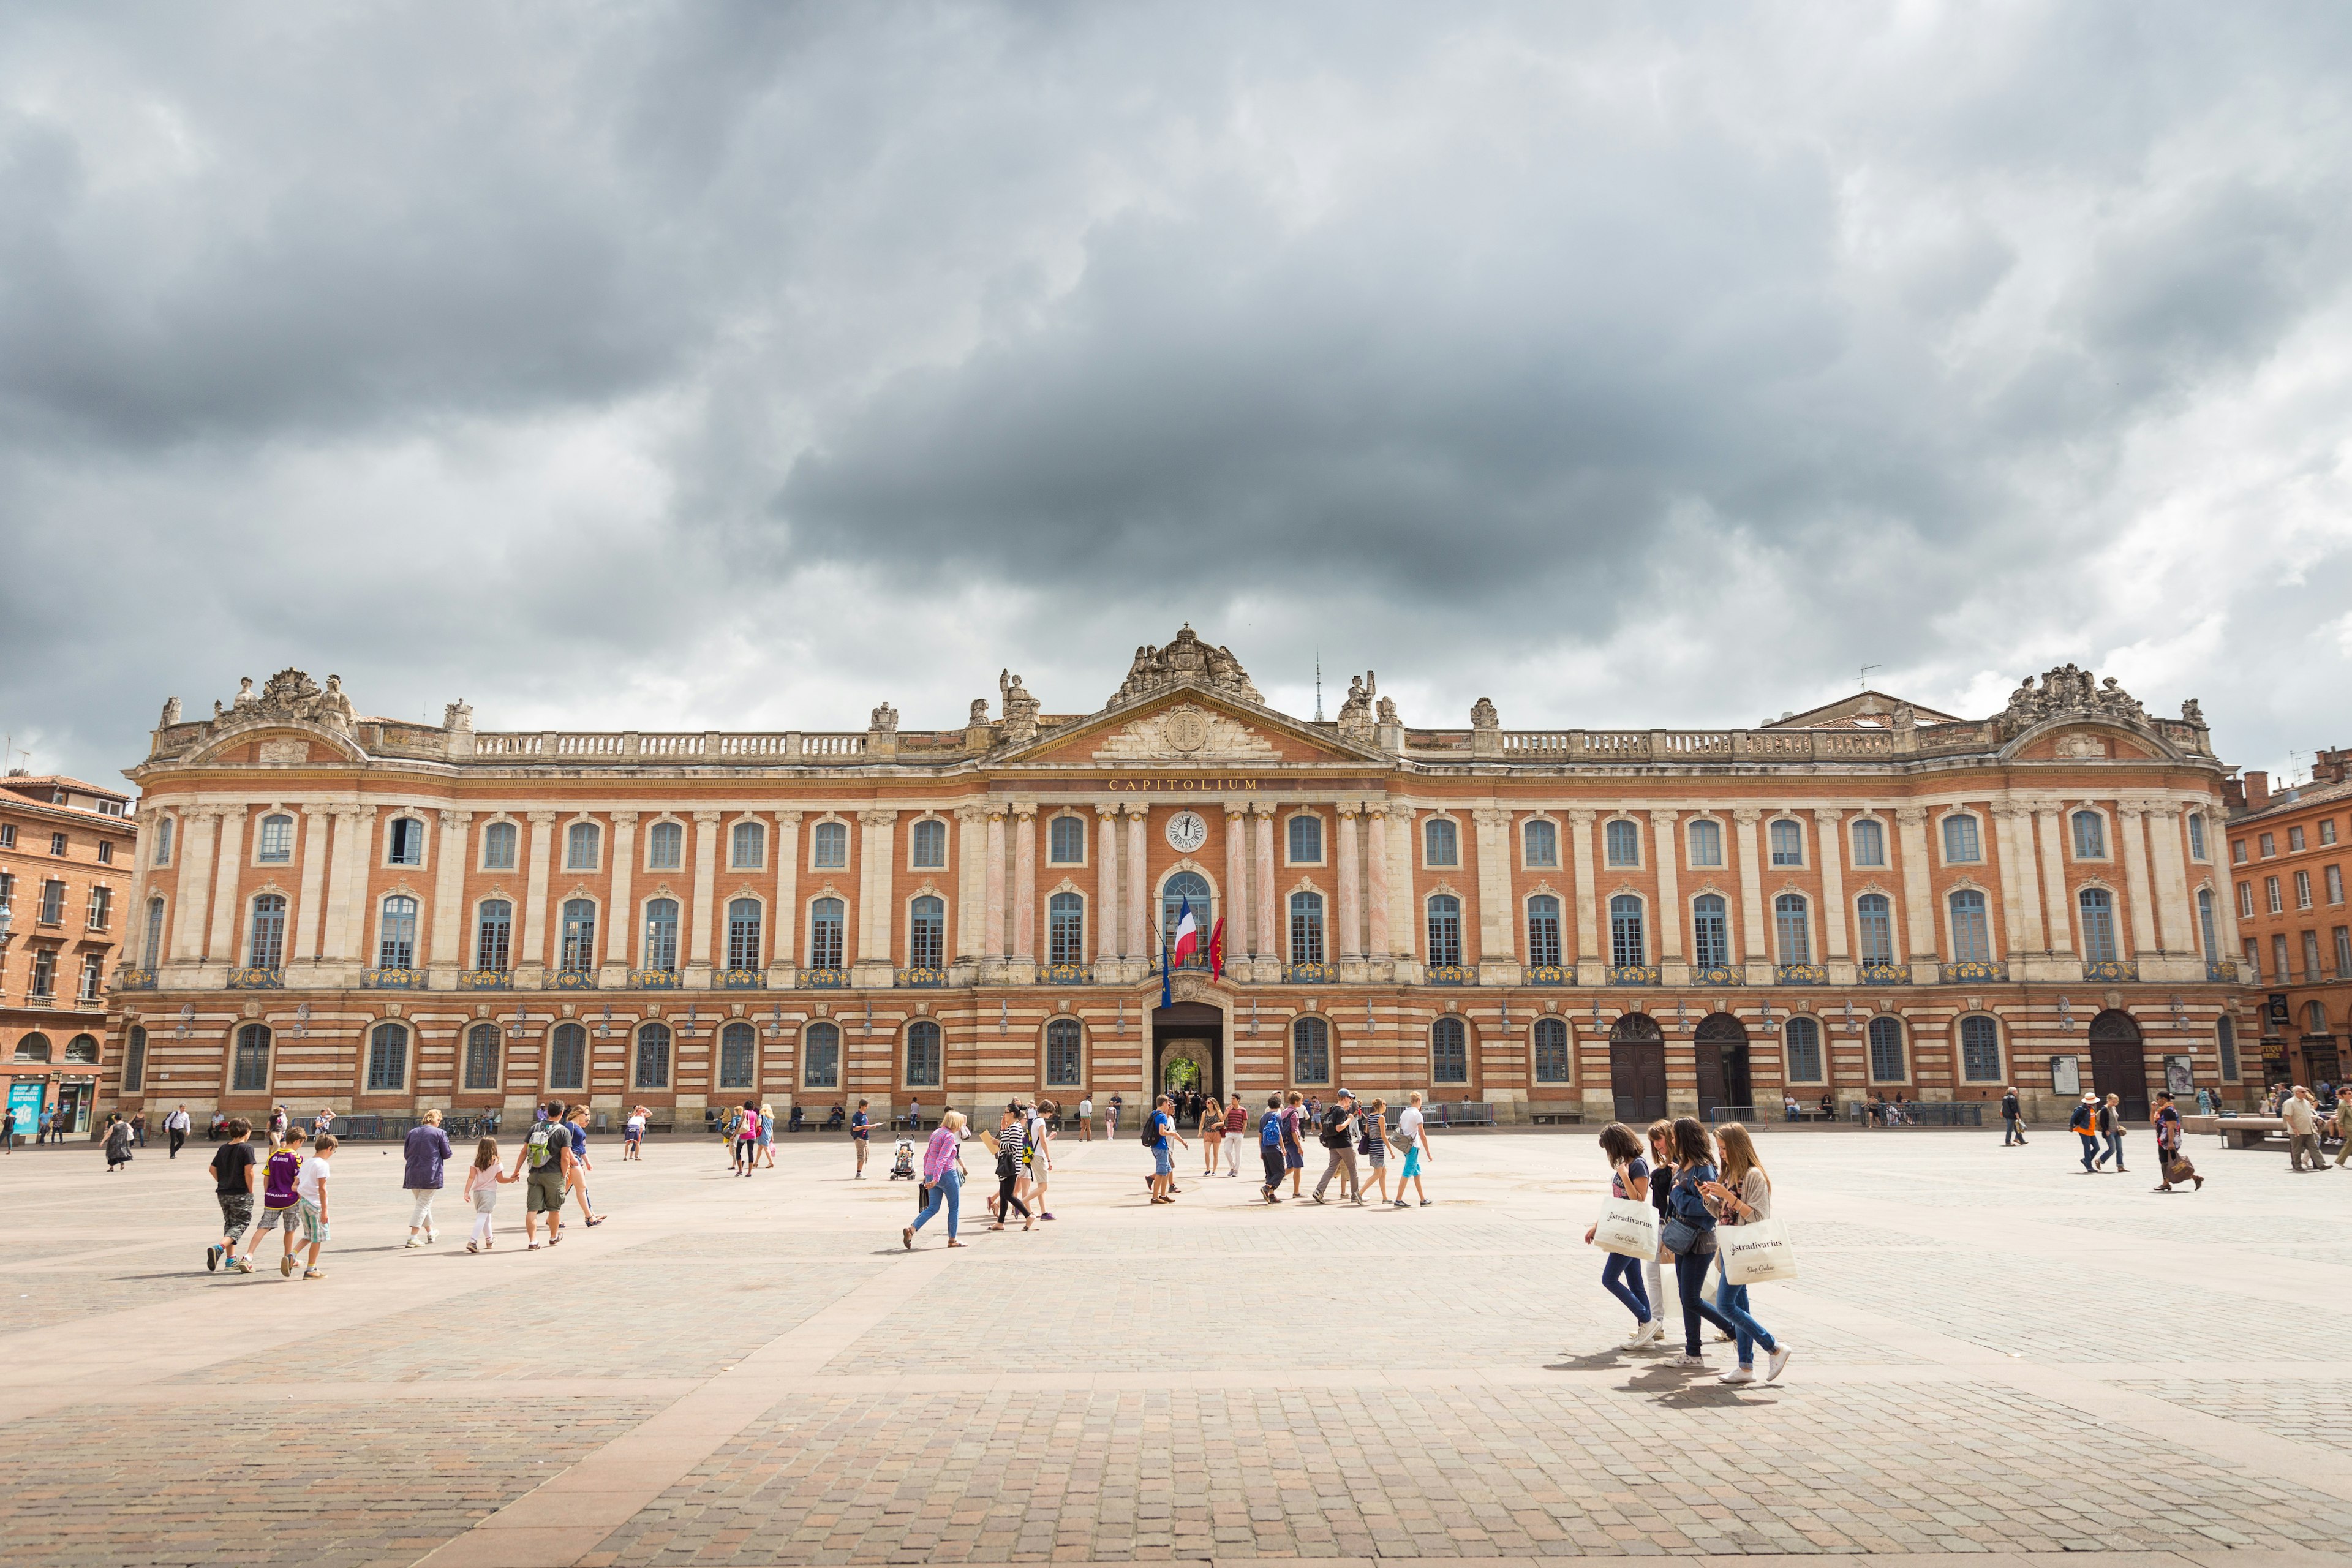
{"x": 1742, "y": 1200}
{"x": 1627, "y": 1230}
{"x": 1688, "y": 1234}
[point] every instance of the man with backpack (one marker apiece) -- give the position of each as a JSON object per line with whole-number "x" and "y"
{"x": 546, "y": 1163}
{"x": 1340, "y": 1142}
{"x": 1157, "y": 1128}
{"x": 2012, "y": 1123}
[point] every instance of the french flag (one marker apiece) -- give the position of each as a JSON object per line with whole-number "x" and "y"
{"x": 1188, "y": 936}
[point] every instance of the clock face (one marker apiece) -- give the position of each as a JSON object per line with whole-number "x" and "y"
{"x": 1187, "y": 832}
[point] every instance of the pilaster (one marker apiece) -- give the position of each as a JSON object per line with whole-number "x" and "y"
{"x": 446, "y": 937}
{"x": 621, "y": 906}
{"x": 784, "y": 948}
{"x": 1591, "y": 968}
{"x": 1025, "y": 881}
{"x": 1108, "y": 919}
{"x": 706, "y": 895}
{"x": 531, "y": 959}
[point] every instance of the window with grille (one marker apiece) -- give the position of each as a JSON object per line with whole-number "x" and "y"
{"x": 250, "y": 1074}
{"x": 1803, "y": 1040}
{"x": 1627, "y": 947}
{"x": 275, "y": 846}
{"x": 1960, "y": 845}
{"x": 582, "y": 843}
{"x": 395, "y": 942}
{"x": 33, "y": 1048}
{"x": 163, "y": 825}
{"x": 1887, "y": 1065}
{"x": 825, "y": 933}
{"x": 821, "y": 1056}
{"x": 579, "y": 936}
{"x": 661, "y": 935}
{"x": 1543, "y": 929}
{"x": 134, "y": 1058}
{"x": 2205, "y": 922}
{"x": 1306, "y": 840}
{"x": 493, "y": 934}
{"x": 405, "y": 842}
{"x": 1706, "y": 840}
{"x": 498, "y": 847}
{"x": 1540, "y": 843}
{"x": 1979, "y": 1050}
{"x": 747, "y": 845}
{"x": 2225, "y": 1036}
{"x": 745, "y": 919}
{"x": 1551, "y": 1051}
{"x": 2090, "y": 835}
{"x": 1306, "y": 928}
{"x": 922, "y": 1054}
{"x": 387, "y": 1062}
{"x": 1791, "y": 924}
{"x": 1710, "y": 931}
{"x": 2098, "y": 925}
{"x": 1445, "y": 929}
{"x": 1066, "y": 841}
{"x": 927, "y": 845}
{"x": 1449, "y": 1052}
{"x": 265, "y": 947}
{"x": 1065, "y": 929}
{"x": 567, "y": 1058}
{"x": 1064, "y": 1061}
{"x": 482, "y": 1053}
{"x": 1869, "y": 842}
{"x": 1310, "y": 1050}
{"x": 1182, "y": 889}
{"x": 2197, "y": 836}
{"x": 829, "y": 846}
{"x": 653, "y": 1056}
{"x": 739, "y": 1051}
{"x": 1622, "y": 840}
{"x": 927, "y": 932}
{"x": 1441, "y": 843}
{"x": 665, "y": 847}
{"x": 1971, "y": 934}
{"x": 1788, "y": 842}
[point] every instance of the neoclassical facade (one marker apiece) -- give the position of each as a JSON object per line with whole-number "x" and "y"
{"x": 1867, "y": 898}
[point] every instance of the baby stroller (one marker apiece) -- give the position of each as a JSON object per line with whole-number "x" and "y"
{"x": 902, "y": 1164}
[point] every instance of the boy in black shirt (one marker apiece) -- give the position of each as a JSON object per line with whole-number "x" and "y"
{"x": 237, "y": 1177}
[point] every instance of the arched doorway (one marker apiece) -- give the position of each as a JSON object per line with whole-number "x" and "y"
{"x": 1637, "y": 1068}
{"x": 1721, "y": 1052}
{"x": 2118, "y": 1064}
{"x": 1188, "y": 1049}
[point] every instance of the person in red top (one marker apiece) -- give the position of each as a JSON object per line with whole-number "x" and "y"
{"x": 1236, "y": 1124}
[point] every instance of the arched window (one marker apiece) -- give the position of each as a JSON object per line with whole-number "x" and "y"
{"x": 2197, "y": 836}
{"x": 1971, "y": 933}
{"x": 482, "y": 1053}
{"x": 825, "y": 917}
{"x": 152, "y": 938}
{"x": 1065, "y": 929}
{"x": 396, "y": 938}
{"x": 1449, "y": 1052}
{"x": 1306, "y": 928}
{"x": 1064, "y": 1057}
{"x": 821, "y": 1055}
{"x": 2098, "y": 909}
{"x": 162, "y": 841}
{"x": 926, "y": 932}
{"x": 1066, "y": 841}
{"x": 1187, "y": 888}
{"x": 33, "y": 1048}
{"x": 579, "y": 936}
{"x": 1706, "y": 840}
{"x": 1445, "y": 929}
{"x": 134, "y": 1058}
{"x": 1876, "y": 918}
{"x": 2090, "y": 835}
{"x": 1441, "y": 842}
{"x": 738, "y": 1054}
{"x": 1803, "y": 1038}
{"x": 2225, "y": 1036}
{"x": 275, "y": 847}
{"x": 922, "y": 1054}
{"x": 1624, "y": 843}
{"x": 1710, "y": 931}
{"x": 493, "y": 934}
{"x": 829, "y": 846}
{"x": 1791, "y": 924}
{"x": 1960, "y": 845}
{"x": 746, "y": 847}
{"x": 661, "y": 935}
{"x": 665, "y": 847}
{"x": 2204, "y": 927}
{"x": 1540, "y": 843}
{"x": 498, "y": 847}
{"x": 1543, "y": 931}
{"x": 82, "y": 1048}
{"x": 927, "y": 845}
{"x": 1887, "y": 1051}
{"x": 405, "y": 842}
{"x": 1310, "y": 1050}
{"x": 1627, "y": 947}
{"x": 744, "y": 921}
{"x": 249, "y": 1072}
{"x": 1788, "y": 842}
{"x": 567, "y": 1058}
{"x": 653, "y": 1056}
{"x": 582, "y": 843}
{"x": 266, "y": 948}
{"x": 387, "y": 1059}
{"x": 1551, "y": 1051}
{"x": 1869, "y": 842}
{"x": 1307, "y": 839}
{"x": 1979, "y": 1050}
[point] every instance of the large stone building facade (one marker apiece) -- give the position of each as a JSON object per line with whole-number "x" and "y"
{"x": 2289, "y": 853}
{"x": 1869, "y": 899}
{"x": 66, "y": 860}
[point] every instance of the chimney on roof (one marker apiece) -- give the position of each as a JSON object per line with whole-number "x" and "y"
{"x": 2258, "y": 791}
{"x": 2331, "y": 766}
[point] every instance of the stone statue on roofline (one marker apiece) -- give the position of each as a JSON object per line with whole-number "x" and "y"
{"x": 170, "y": 712}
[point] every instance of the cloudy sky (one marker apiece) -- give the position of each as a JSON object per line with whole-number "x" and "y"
{"x": 692, "y": 366}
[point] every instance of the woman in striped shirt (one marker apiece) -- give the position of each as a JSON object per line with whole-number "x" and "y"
{"x": 1012, "y": 1143}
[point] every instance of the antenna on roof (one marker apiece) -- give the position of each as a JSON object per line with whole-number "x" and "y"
{"x": 1319, "y": 683}
{"x": 1861, "y": 680}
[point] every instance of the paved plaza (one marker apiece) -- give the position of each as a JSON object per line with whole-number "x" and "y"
{"x": 1994, "y": 1354}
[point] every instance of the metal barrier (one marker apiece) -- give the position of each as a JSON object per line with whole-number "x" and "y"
{"x": 1747, "y": 1115}
{"x": 1927, "y": 1113}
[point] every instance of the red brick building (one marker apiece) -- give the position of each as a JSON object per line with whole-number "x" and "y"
{"x": 2290, "y": 853}
{"x": 66, "y": 867}
{"x": 1866, "y": 898}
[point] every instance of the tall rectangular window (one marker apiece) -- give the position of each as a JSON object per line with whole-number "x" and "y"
{"x": 743, "y": 923}
{"x": 1066, "y": 841}
{"x": 2303, "y": 890}
{"x": 1979, "y": 1050}
{"x": 45, "y": 972}
{"x": 1961, "y": 845}
{"x": 1875, "y": 918}
{"x": 1788, "y": 842}
{"x": 1541, "y": 844}
{"x": 582, "y": 843}
{"x": 1793, "y": 928}
{"x": 748, "y": 848}
{"x": 1543, "y": 931}
{"x": 1066, "y": 927}
{"x": 2269, "y": 845}
{"x": 405, "y": 842}
{"x": 101, "y": 907}
{"x": 738, "y": 1049}
{"x": 2197, "y": 836}
{"x": 2335, "y": 876}
{"x": 1704, "y": 838}
{"x": 1803, "y": 1036}
{"x": 661, "y": 935}
{"x": 1444, "y": 931}
{"x": 2327, "y": 830}
{"x": 567, "y": 1058}
{"x": 665, "y": 847}
{"x": 2344, "y": 953}
{"x": 498, "y": 847}
{"x": 2311, "y": 974}
{"x": 829, "y": 846}
{"x": 1622, "y": 840}
{"x": 1305, "y": 840}
{"x": 2293, "y": 839}
{"x": 1441, "y": 844}
{"x": 396, "y": 946}
{"x": 1971, "y": 934}
{"x": 162, "y": 840}
{"x": 53, "y": 903}
{"x": 579, "y": 936}
{"x": 93, "y": 975}
{"x": 1627, "y": 945}
{"x": 825, "y": 933}
{"x": 1551, "y": 1051}
{"x": 2278, "y": 959}
{"x": 1306, "y": 928}
{"x": 1065, "y": 1062}
{"x": 1710, "y": 932}
{"x": 2271, "y": 893}
{"x": 927, "y": 845}
{"x": 493, "y": 935}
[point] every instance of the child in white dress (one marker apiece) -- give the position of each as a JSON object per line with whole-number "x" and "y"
{"x": 482, "y": 1186}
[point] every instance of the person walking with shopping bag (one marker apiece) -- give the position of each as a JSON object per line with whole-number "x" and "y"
{"x": 942, "y": 1178}
{"x": 1743, "y": 1196}
{"x": 2085, "y": 1124}
{"x": 1689, "y": 1236}
{"x": 1633, "y": 1226}
{"x": 2110, "y": 1128}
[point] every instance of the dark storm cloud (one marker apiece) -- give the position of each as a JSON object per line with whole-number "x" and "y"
{"x": 702, "y": 366}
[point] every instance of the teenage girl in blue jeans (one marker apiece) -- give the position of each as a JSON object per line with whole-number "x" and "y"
{"x": 1694, "y": 1167}
{"x": 1622, "y": 1276}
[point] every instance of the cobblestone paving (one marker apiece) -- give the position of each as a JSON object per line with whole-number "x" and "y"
{"x": 2314, "y": 1411}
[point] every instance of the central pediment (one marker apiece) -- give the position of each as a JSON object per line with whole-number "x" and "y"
{"x": 1184, "y": 732}
{"x": 1192, "y": 724}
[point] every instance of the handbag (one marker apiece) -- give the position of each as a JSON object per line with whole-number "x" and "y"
{"x": 1679, "y": 1235}
{"x": 1629, "y": 1227}
{"x": 1757, "y": 1253}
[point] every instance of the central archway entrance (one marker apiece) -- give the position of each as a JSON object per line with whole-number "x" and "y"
{"x": 1187, "y": 1054}
{"x": 2118, "y": 1064}
{"x": 1721, "y": 1052}
{"x": 1637, "y": 1068}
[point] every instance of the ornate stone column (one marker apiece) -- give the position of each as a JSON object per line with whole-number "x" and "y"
{"x": 1351, "y": 934}
{"x": 1236, "y": 877}
{"x": 706, "y": 895}
{"x": 1918, "y": 888}
{"x": 228, "y": 867}
{"x": 992, "y": 927}
{"x": 1588, "y": 921}
{"x": 1828, "y": 839}
{"x": 1108, "y": 921}
{"x": 1025, "y": 881}
{"x": 1376, "y": 880}
{"x": 533, "y": 951}
{"x": 2060, "y": 910}
{"x": 317, "y": 823}
{"x": 1752, "y": 950}
{"x": 784, "y": 948}
{"x": 449, "y": 885}
{"x": 2134, "y": 837}
{"x": 1666, "y": 857}
{"x": 1138, "y": 889}
{"x": 1265, "y": 934}
{"x": 621, "y": 916}
{"x": 192, "y": 901}
{"x": 971, "y": 884}
{"x": 2020, "y": 906}
{"x": 2176, "y": 911}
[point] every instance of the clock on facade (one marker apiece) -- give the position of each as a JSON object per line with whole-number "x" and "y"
{"x": 1187, "y": 832}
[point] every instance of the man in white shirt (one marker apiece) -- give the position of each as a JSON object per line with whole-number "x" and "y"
{"x": 176, "y": 1124}
{"x": 2301, "y": 1114}
{"x": 1086, "y": 1119}
{"x": 1415, "y": 1144}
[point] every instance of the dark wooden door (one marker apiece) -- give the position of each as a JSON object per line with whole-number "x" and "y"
{"x": 1637, "y": 1077}
{"x": 1720, "y": 1049}
{"x": 1710, "y": 1079}
{"x": 2119, "y": 1062}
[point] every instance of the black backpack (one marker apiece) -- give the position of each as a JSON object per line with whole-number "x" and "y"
{"x": 1151, "y": 1139}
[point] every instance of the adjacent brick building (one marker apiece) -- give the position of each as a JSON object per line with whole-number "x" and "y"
{"x": 2290, "y": 853}
{"x": 65, "y": 865}
{"x": 1867, "y": 898}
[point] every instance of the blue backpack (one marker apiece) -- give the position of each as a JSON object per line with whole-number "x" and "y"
{"x": 1269, "y": 1130}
